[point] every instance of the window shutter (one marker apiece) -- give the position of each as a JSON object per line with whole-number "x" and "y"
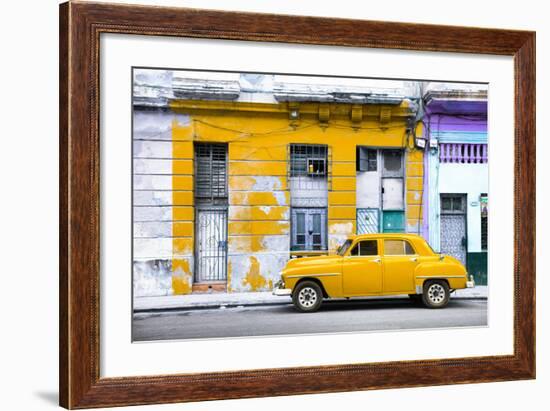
{"x": 210, "y": 171}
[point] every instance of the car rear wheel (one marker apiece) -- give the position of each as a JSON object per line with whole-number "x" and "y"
{"x": 307, "y": 297}
{"x": 436, "y": 294}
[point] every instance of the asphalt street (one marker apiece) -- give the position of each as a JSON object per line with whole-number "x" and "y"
{"x": 333, "y": 317}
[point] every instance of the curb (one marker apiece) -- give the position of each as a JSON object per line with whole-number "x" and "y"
{"x": 260, "y": 304}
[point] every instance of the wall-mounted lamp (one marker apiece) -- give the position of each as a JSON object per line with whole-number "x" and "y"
{"x": 294, "y": 114}
{"x": 420, "y": 143}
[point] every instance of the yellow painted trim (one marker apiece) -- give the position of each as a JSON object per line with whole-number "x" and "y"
{"x": 182, "y": 198}
{"x": 183, "y": 213}
{"x": 258, "y": 227}
{"x": 347, "y": 169}
{"x": 414, "y": 183}
{"x": 342, "y": 198}
{"x": 259, "y": 198}
{"x": 183, "y": 246}
{"x": 342, "y": 212}
{"x": 344, "y": 183}
{"x": 415, "y": 170}
{"x": 257, "y": 168}
{"x": 182, "y": 228}
{"x": 182, "y": 167}
{"x": 182, "y": 183}
{"x": 336, "y": 109}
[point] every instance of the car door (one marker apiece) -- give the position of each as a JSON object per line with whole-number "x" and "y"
{"x": 362, "y": 269}
{"x": 399, "y": 260}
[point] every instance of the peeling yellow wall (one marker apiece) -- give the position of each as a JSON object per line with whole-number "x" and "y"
{"x": 414, "y": 187}
{"x": 183, "y": 214}
{"x": 182, "y": 277}
{"x": 258, "y": 136}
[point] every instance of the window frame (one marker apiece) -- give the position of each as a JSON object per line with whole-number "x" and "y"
{"x": 484, "y": 223}
{"x": 216, "y": 193}
{"x": 359, "y": 159}
{"x": 356, "y": 245}
{"x": 309, "y": 161}
{"x": 415, "y": 251}
{"x": 453, "y": 197}
{"x": 311, "y": 152}
{"x": 309, "y": 213}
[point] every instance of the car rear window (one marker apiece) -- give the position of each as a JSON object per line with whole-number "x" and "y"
{"x": 398, "y": 247}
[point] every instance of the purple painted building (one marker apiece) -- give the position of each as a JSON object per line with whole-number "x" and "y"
{"x": 456, "y": 180}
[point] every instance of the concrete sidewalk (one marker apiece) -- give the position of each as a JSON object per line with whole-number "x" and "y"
{"x": 250, "y": 299}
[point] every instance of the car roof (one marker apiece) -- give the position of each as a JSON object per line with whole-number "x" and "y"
{"x": 386, "y": 235}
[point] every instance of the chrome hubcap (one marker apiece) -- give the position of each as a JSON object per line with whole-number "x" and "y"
{"x": 307, "y": 297}
{"x": 436, "y": 293}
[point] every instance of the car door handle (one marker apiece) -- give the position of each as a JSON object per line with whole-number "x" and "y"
{"x": 377, "y": 260}
{"x": 414, "y": 259}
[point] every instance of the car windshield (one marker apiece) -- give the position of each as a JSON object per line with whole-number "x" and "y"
{"x": 344, "y": 247}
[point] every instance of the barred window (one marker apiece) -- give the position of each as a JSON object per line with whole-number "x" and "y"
{"x": 393, "y": 163}
{"x": 484, "y": 233}
{"x": 210, "y": 171}
{"x": 483, "y": 200}
{"x": 308, "y": 160}
{"x": 453, "y": 203}
{"x": 366, "y": 159}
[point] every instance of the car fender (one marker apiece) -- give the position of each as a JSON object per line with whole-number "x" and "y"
{"x": 328, "y": 273}
{"x": 453, "y": 273}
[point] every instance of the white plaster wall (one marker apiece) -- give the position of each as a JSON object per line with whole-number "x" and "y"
{"x": 152, "y": 201}
{"x": 157, "y": 124}
{"x": 368, "y": 189}
{"x": 472, "y": 180}
{"x": 152, "y": 277}
{"x": 308, "y": 192}
{"x": 152, "y": 149}
{"x": 433, "y": 200}
{"x": 153, "y": 198}
{"x": 270, "y": 266}
{"x": 393, "y": 194}
{"x": 152, "y": 213}
{"x": 147, "y": 165}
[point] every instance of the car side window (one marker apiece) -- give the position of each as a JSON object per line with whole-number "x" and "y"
{"x": 365, "y": 248}
{"x": 398, "y": 247}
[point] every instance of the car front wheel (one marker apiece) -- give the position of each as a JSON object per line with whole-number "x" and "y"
{"x": 307, "y": 297}
{"x": 436, "y": 294}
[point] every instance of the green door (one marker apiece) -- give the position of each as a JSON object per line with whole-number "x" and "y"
{"x": 393, "y": 221}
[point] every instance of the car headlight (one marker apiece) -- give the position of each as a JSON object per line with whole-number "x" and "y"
{"x": 279, "y": 284}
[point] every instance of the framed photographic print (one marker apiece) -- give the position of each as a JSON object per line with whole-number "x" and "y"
{"x": 259, "y": 205}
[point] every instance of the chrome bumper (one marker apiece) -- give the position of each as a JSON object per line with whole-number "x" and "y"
{"x": 470, "y": 284}
{"x": 282, "y": 291}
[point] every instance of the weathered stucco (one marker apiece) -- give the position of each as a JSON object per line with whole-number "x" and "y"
{"x": 152, "y": 277}
{"x": 259, "y": 187}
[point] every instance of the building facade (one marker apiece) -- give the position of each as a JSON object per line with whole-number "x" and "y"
{"x": 234, "y": 176}
{"x": 457, "y": 178}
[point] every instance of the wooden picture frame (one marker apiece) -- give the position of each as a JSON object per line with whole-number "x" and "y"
{"x": 80, "y": 27}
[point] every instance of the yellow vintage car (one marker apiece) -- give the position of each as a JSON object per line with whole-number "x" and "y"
{"x": 374, "y": 265}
